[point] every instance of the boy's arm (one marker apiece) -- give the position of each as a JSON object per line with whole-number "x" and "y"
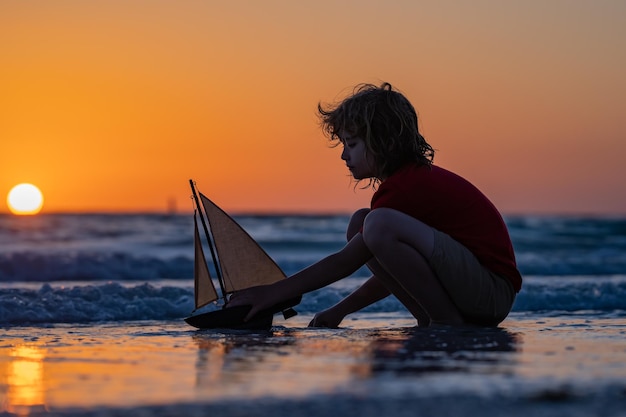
{"x": 322, "y": 273}
{"x": 371, "y": 291}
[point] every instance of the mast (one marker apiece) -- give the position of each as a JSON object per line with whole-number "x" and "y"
{"x": 218, "y": 271}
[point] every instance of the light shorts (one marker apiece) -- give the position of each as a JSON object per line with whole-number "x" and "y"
{"x": 482, "y": 297}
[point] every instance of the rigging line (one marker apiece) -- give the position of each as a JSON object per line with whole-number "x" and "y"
{"x": 195, "y": 290}
{"x": 218, "y": 271}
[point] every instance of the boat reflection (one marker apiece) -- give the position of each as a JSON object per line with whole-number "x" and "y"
{"x": 230, "y": 365}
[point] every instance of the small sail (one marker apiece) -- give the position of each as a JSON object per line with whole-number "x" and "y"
{"x": 243, "y": 262}
{"x": 204, "y": 288}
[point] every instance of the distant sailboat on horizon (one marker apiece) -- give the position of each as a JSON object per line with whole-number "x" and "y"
{"x": 239, "y": 263}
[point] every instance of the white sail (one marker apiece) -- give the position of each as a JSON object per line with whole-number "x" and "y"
{"x": 243, "y": 262}
{"x": 203, "y": 286}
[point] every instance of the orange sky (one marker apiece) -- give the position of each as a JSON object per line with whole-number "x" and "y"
{"x": 114, "y": 105}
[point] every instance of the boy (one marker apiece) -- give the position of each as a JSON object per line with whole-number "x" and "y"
{"x": 430, "y": 237}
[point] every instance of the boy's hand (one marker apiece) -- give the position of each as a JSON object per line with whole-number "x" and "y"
{"x": 258, "y": 297}
{"x": 327, "y": 318}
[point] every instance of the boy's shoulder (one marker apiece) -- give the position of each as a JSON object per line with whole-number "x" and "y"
{"x": 428, "y": 179}
{"x": 419, "y": 173}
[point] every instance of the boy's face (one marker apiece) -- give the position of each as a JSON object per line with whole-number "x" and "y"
{"x": 359, "y": 162}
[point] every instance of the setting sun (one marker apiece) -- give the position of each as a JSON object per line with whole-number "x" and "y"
{"x": 25, "y": 199}
{"x": 113, "y": 105}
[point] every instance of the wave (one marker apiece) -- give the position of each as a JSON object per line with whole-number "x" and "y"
{"x": 116, "y": 302}
{"x": 30, "y": 266}
{"x": 154, "y": 247}
{"x": 85, "y": 268}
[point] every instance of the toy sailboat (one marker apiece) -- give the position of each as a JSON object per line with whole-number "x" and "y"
{"x": 239, "y": 263}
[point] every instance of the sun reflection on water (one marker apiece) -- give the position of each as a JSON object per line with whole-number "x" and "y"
{"x": 24, "y": 380}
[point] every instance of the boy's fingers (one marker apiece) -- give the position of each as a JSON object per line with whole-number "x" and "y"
{"x": 251, "y": 313}
{"x": 253, "y": 310}
{"x": 238, "y": 299}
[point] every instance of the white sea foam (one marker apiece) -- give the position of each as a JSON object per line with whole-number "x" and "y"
{"x": 70, "y": 302}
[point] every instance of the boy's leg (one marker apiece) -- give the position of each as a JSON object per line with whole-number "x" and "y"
{"x": 402, "y": 247}
{"x": 354, "y": 226}
{"x": 356, "y": 223}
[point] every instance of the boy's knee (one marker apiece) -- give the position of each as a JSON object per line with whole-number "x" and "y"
{"x": 376, "y": 230}
{"x": 383, "y": 227}
{"x": 356, "y": 222}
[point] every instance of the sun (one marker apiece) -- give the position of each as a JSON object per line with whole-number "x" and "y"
{"x": 25, "y": 199}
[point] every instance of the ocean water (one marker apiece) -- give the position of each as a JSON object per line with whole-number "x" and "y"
{"x": 92, "y": 308}
{"x": 65, "y": 268}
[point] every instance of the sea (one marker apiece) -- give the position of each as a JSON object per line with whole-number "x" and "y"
{"x": 92, "y": 309}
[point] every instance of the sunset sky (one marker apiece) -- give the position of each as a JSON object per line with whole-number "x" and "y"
{"x": 114, "y": 105}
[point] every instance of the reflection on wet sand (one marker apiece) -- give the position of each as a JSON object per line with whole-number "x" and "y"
{"x": 444, "y": 349}
{"x": 274, "y": 363}
{"x": 126, "y": 366}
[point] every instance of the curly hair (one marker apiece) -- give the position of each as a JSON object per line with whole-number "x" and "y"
{"x": 385, "y": 120}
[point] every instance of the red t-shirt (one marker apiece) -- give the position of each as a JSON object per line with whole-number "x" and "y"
{"x": 451, "y": 204}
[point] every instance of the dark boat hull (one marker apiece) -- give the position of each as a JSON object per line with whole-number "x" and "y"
{"x": 233, "y": 318}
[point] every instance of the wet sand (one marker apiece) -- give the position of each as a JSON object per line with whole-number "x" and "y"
{"x": 376, "y": 365}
